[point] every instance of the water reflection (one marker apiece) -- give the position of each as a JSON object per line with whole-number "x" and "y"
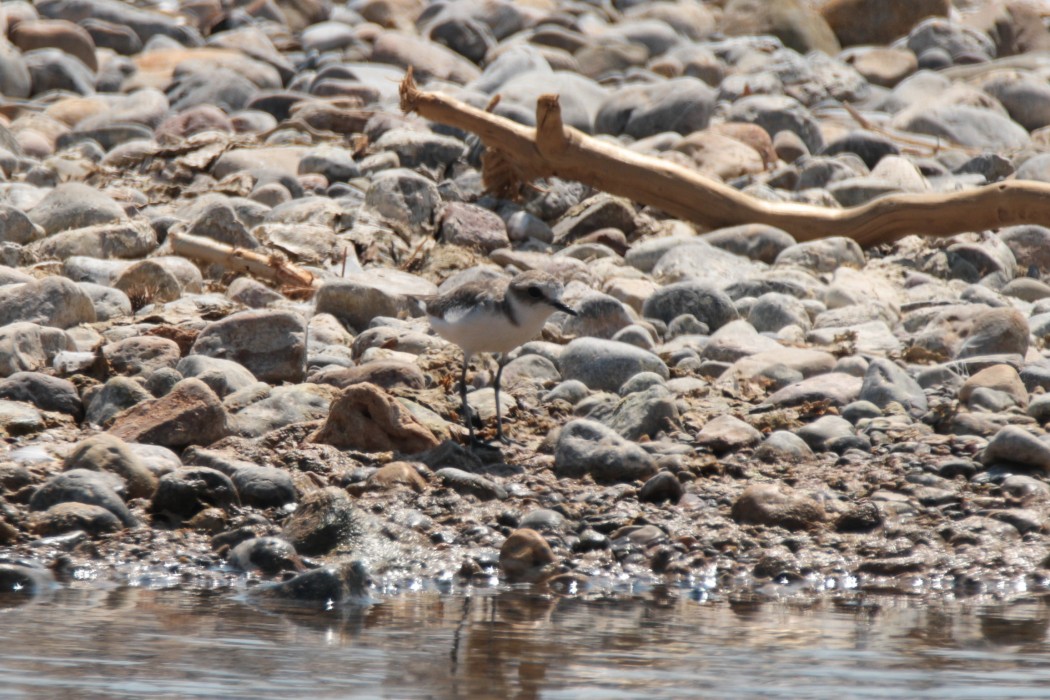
{"x": 130, "y": 642}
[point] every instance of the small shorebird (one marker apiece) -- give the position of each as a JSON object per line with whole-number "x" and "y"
{"x": 494, "y": 317}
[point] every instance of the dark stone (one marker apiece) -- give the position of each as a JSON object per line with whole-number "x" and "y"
{"x": 186, "y": 491}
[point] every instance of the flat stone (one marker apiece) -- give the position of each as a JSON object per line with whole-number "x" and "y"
{"x": 82, "y": 486}
{"x": 116, "y": 395}
{"x": 471, "y": 226}
{"x": 43, "y": 391}
{"x": 470, "y": 484}
{"x": 283, "y": 405}
{"x": 783, "y": 446}
{"x": 836, "y": 387}
{"x": 1002, "y": 378}
{"x": 271, "y": 344}
{"x": 362, "y": 297}
{"x": 709, "y": 305}
{"x": 130, "y": 239}
{"x": 587, "y": 447}
{"x": 606, "y": 364}
{"x": 141, "y": 355}
{"x": 224, "y": 377}
{"x": 996, "y": 331}
{"x": 681, "y": 105}
{"x": 52, "y": 301}
{"x": 74, "y": 205}
{"x": 886, "y": 382}
{"x": 769, "y": 504}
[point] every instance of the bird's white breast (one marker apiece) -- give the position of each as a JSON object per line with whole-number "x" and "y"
{"x": 488, "y": 329}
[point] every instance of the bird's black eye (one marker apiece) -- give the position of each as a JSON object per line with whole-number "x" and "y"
{"x": 535, "y": 292}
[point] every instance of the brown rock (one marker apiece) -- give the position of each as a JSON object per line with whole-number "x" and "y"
{"x": 768, "y": 504}
{"x": 878, "y": 21}
{"x": 720, "y": 156}
{"x": 58, "y": 34}
{"x": 795, "y": 23}
{"x": 1002, "y": 378}
{"x": 750, "y": 134}
{"x": 191, "y": 414}
{"x": 395, "y": 475}
{"x": 883, "y": 66}
{"x": 525, "y": 557}
{"x": 383, "y": 373}
{"x": 365, "y": 417}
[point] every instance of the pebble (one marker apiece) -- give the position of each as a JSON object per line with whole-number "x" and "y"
{"x": 52, "y": 301}
{"x": 606, "y": 364}
{"x": 526, "y": 557}
{"x": 727, "y": 434}
{"x": 1015, "y": 445}
{"x": 271, "y": 344}
{"x": 325, "y": 521}
{"x": 587, "y": 447}
{"x": 107, "y": 453}
{"x": 83, "y": 486}
{"x": 325, "y": 586}
{"x": 270, "y": 555}
{"x": 45, "y": 392}
{"x": 768, "y": 504}
{"x": 72, "y": 517}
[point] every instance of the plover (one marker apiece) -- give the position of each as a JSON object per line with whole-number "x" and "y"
{"x": 494, "y": 317}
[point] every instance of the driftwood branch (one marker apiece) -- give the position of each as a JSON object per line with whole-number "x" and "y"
{"x": 517, "y": 154}
{"x": 268, "y": 267}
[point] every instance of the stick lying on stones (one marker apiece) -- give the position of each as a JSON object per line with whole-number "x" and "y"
{"x": 268, "y": 267}
{"x": 517, "y": 155}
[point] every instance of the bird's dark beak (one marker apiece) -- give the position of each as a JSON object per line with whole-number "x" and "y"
{"x": 563, "y": 307}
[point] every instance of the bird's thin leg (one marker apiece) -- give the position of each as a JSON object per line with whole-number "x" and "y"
{"x": 463, "y": 396}
{"x": 499, "y": 417}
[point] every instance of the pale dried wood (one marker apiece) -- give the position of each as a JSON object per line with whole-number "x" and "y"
{"x": 271, "y": 267}
{"x": 516, "y": 155}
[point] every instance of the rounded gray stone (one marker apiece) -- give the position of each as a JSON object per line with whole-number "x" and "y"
{"x": 607, "y": 364}
{"x": 588, "y": 447}
{"x": 271, "y": 344}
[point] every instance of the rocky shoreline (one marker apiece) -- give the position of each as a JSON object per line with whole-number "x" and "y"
{"x": 730, "y": 410}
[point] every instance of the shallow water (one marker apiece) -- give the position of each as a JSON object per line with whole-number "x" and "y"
{"x": 134, "y": 643}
